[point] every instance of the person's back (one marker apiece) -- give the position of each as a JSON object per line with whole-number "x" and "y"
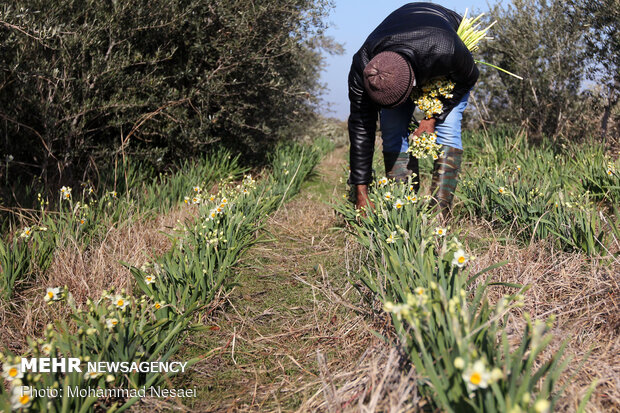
{"x": 406, "y": 31}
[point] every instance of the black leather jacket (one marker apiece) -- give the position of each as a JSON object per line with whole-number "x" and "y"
{"x": 425, "y": 33}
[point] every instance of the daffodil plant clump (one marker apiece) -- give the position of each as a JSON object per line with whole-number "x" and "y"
{"x": 456, "y": 339}
{"x": 516, "y": 186}
{"x": 149, "y": 321}
{"x": 83, "y": 216}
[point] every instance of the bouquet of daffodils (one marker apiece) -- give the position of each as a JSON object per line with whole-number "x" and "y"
{"x": 428, "y": 99}
{"x": 425, "y": 146}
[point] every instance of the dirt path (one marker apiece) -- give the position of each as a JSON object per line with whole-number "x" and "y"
{"x": 293, "y": 306}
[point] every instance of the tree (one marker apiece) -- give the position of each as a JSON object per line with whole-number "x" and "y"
{"x": 541, "y": 41}
{"x": 84, "y": 82}
{"x": 602, "y": 21}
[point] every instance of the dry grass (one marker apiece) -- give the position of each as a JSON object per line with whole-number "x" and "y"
{"x": 86, "y": 274}
{"x": 379, "y": 379}
{"x": 379, "y": 382}
{"x": 582, "y": 293}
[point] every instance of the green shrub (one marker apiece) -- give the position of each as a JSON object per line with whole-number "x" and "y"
{"x": 85, "y": 84}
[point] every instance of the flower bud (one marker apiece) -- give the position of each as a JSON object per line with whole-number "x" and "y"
{"x": 497, "y": 374}
{"x": 542, "y": 406}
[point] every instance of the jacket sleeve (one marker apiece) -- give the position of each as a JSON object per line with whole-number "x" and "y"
{"x": 362, "y": 128}
{"x": 463, "y": 72}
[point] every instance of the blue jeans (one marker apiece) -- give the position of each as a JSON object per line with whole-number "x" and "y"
{"x": 395, "y": 124}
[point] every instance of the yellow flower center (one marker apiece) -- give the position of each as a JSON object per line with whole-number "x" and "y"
{"x": 114, "y": 322}
{"x": 461, "y": 259}
{"x": 25, "y": 399}
{"x": 67, "y": 195}
{"x": 157, "y": 306}
{"x": 50, "y": 294}
{"x": 439, "y": 231}
{"x": 120, "y": 303}
{"x": 475, "y": 378}
{"x": 13, "y": 372}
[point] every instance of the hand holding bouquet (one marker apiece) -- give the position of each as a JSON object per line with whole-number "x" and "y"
{"x": 425, "y": 146}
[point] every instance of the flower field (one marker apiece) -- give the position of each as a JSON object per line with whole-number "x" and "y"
{"x": 149, "y": 320}
{"x": 419, "y": 267}
{"x": 571, "y": 194}
{"x": 480, "y": 335}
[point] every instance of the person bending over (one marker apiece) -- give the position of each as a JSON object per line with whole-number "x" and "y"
{"x": 412, "y": 46}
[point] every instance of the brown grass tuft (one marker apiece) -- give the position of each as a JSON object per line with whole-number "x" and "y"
{"x": 86, "y": 274}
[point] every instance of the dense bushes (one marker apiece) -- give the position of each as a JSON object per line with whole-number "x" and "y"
{"x": 84, "y": 84}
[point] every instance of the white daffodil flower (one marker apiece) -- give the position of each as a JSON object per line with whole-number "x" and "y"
{"x": 53, "y": 294}
{"x": 476, "y": 376}
{"x": 110, "y": 323}
{"x": 392, "y": 238}
{"x": 120, "y": 302}
{"x": 46, "y": 348}
{"x": 460, "y": 258}
{"x": 21, "y": 397}
{"x": 12, "y": 372}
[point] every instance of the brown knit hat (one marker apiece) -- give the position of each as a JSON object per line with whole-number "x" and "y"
{"x": 388, "y": 79}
